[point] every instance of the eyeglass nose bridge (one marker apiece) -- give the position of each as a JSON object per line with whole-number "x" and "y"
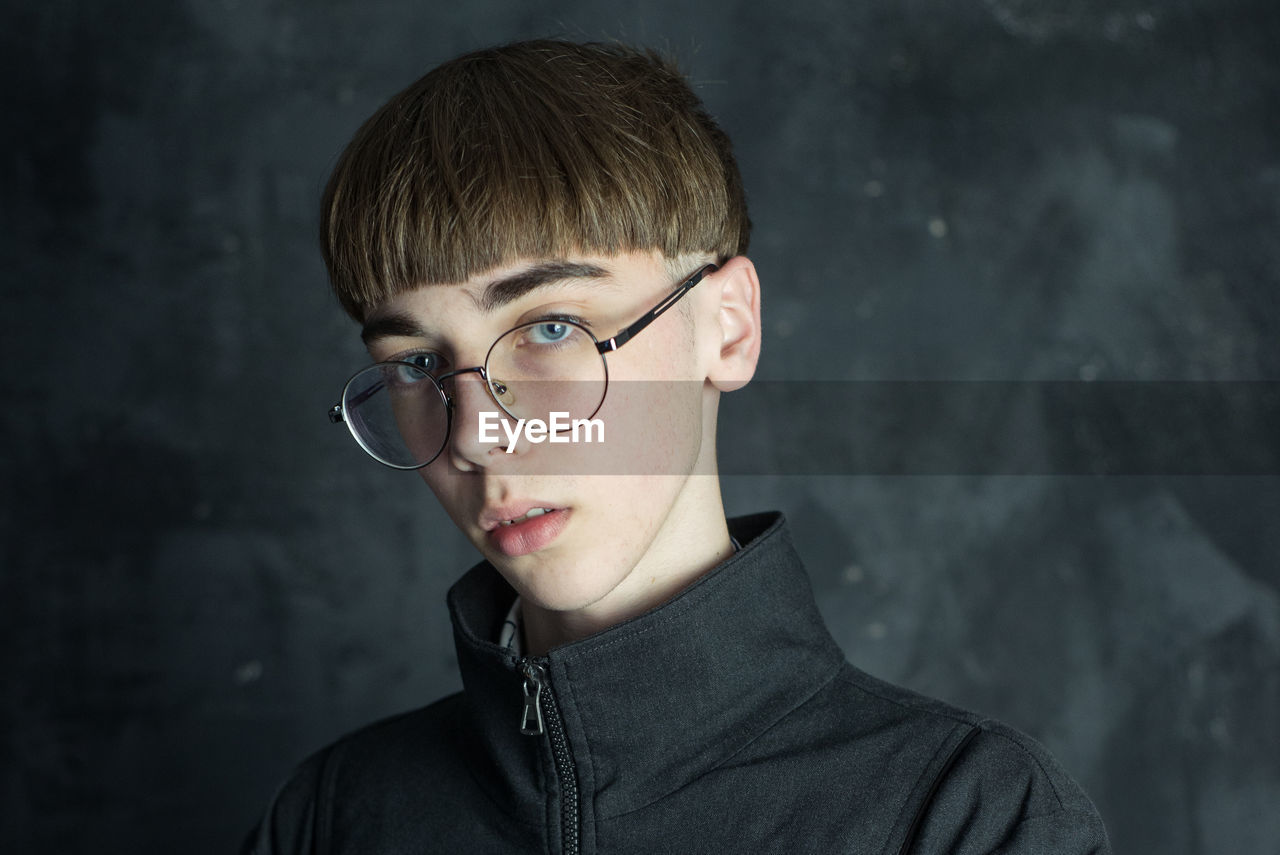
{"x": 484, "y": 375}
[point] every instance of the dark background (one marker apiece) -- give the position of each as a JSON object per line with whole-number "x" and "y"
{"x": 203, "y": 580}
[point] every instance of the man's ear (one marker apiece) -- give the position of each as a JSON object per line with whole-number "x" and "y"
{"x": 738, "y": 319}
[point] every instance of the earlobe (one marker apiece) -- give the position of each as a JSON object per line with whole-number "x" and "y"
{"x": 738, "y": 316}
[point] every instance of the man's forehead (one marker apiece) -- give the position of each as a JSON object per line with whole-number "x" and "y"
{"x": 490, "y": 291}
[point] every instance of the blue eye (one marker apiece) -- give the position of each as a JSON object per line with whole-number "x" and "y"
{"x": 428, "y": 363}
{"x": 550, "y": 332}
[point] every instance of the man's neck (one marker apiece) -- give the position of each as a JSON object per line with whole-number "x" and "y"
{"x": 682, "y": 552}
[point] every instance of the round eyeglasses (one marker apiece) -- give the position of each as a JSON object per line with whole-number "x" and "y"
{"x": 402, "y": 415}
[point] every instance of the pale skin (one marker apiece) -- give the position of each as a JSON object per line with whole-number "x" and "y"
{"x": 630, "y": 542}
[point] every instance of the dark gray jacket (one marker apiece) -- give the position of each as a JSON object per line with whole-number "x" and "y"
{"x": 724, "y": 721}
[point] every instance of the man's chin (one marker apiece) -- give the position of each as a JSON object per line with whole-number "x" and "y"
{"x": 562, "y": 591}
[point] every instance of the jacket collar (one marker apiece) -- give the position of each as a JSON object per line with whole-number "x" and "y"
{"x": 657, "y": 701}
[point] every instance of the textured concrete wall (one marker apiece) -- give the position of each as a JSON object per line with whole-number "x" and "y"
{"x": 203, "y": 580}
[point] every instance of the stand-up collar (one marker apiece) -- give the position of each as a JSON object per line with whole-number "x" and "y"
{"x": 654, "y": 702}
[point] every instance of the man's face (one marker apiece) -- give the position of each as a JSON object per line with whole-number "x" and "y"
{"x": 620, "y": 514}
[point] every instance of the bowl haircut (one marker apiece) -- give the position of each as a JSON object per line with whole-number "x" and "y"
{"x": 536, "y": 149}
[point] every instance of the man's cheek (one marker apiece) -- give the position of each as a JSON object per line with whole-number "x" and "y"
{"x": 444, "y": 487}
{"x": 649, "y": 428}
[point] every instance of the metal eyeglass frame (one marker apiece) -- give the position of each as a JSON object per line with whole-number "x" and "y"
{"x": 609, "y": 345}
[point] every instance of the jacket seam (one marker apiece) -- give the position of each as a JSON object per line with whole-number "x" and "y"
{"x": 1053, "y": 787}
{"x": 958, "y": 717}
{"x": 701, "y": 590}
{"x": 323, "y": 819}
{"x": 1063, "y": 811}
{"x": 907, "y": 839}
{"x": 723, "y": 760}
{"x": 929, "y": 781}
{"x": 982, "y": 724}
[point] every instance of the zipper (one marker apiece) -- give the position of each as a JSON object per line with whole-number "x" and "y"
{"x": 537, "y": 718}
{"x": 531, "y": 717}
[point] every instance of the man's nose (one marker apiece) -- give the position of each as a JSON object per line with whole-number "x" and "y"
{"x": 469, "y": 447}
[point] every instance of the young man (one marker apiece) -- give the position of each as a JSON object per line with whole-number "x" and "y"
{"x": 537, "y": 239}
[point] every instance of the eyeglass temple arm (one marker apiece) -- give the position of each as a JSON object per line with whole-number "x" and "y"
{"x": 624, "y": 335}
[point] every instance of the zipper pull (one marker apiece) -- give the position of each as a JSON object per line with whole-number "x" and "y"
{"x": 531, "y": 717}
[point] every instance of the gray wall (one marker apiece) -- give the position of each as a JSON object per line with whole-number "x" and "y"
{"x": 203, "y": 580}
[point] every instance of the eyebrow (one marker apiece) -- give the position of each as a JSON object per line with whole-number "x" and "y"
{"x": 496, "y": 294}
{"x": 500, "y": 292}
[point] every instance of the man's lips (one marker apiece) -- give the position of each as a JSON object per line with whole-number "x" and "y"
{"x": 528, "y": 534}
{"x": 506, "y": 515}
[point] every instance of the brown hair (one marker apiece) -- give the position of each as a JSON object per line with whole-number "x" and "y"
{"x": 535, "y": 149}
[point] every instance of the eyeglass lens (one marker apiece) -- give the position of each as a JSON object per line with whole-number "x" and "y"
{"x": 400, "y": 414}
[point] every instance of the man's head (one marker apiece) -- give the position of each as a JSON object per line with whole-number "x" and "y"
{"x": 530, "y": 150}
{"x": 439, "y": 225}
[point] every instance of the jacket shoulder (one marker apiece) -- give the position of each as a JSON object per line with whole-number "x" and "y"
{"x": 987, "y": 786}
{"x": 294, "y": 821}
{"x": 1003, "y": 791}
